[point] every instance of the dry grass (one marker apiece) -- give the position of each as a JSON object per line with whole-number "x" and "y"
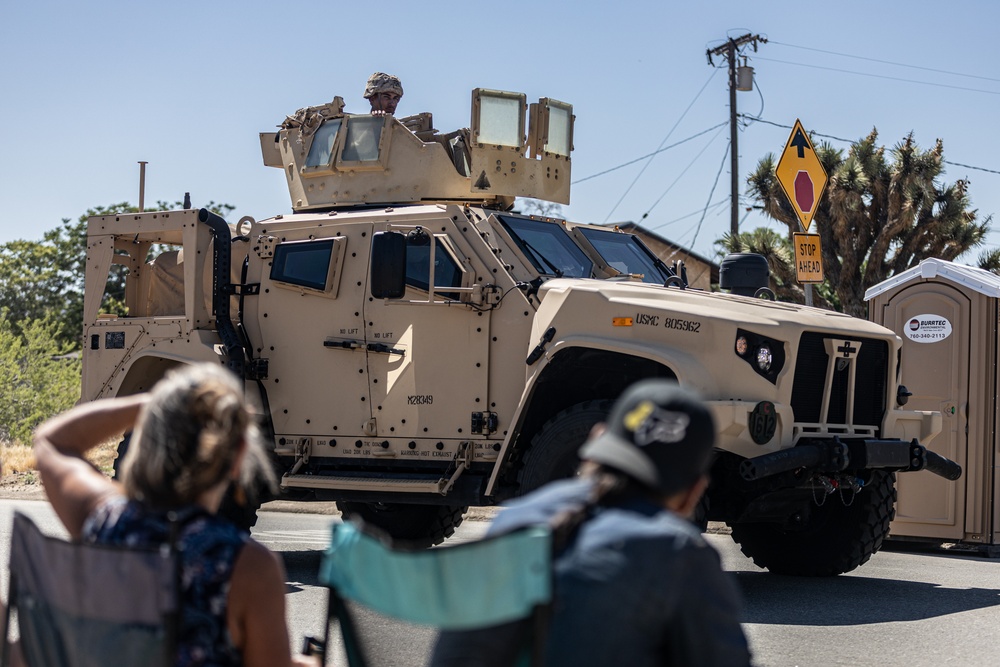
{"x": 18, "y": 458}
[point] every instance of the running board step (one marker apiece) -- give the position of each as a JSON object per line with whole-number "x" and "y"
{"x": 383, "y": 483}
{"x": 353, "y": 483}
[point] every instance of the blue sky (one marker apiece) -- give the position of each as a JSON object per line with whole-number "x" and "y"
{"x": 89, "y": 89}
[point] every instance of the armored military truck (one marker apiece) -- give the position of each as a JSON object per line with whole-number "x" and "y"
{"x": 414, "y": 345}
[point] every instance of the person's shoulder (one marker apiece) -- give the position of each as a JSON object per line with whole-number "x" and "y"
{"x": 258, "y": 570}
{"x": 257, "y": 557}
{"x": 570, "y": 489}
{"x": 540, "y": 505}
{"x": 104, "y": 518}
{"x": 661, "y": 529}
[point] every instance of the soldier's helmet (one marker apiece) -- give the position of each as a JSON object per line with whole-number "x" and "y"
{"x": 380, "y": 82}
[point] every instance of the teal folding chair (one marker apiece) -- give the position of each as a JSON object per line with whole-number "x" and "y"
{"x": 84, "y": 605}
{"x": 468, "y": 586}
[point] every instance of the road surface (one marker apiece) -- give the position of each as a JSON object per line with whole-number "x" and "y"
{"x": 902, "y": 608}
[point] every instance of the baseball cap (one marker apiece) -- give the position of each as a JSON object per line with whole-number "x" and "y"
{"x": 659, "y": 434}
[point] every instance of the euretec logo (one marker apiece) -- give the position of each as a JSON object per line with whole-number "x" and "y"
{"x": 914, "y": 324}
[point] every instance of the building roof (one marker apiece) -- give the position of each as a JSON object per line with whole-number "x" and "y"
{"x": 980, "y": 280}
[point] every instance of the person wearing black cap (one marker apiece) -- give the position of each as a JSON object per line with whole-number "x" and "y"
{"x": 635, "y": 582}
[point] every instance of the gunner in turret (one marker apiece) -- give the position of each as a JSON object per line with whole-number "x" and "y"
{"x": 383, "y": 92}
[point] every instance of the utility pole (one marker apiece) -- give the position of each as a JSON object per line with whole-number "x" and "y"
{"x": 730, "y": 50}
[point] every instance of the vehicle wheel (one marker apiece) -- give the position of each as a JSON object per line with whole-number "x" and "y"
{"x": 418, "y": 526}
{"x": 837, "y": 539}
{"x": 243, "y": 515}
{"x": 554, "y": 452}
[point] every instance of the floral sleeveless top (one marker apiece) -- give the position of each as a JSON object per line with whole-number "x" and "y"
{"x": 208, "y": 547}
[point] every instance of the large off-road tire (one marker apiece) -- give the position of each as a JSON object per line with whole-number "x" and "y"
{"x": 242, "y": 514}
{"x": 837, "y": 538}
{"x": 554, "y": 451}
{"x": 415, "y": 526}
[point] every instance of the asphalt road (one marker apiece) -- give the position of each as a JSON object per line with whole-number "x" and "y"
{"x": 902, "y": 608}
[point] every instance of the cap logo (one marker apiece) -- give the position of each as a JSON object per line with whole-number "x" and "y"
{"x": 650, "y": 424}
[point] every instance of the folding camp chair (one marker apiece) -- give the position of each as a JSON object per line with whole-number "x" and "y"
{"x": 83, "y": 605}
{"x": 480, "y": 584}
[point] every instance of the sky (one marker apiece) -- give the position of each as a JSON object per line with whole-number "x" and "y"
{"x": 87, "y": 90}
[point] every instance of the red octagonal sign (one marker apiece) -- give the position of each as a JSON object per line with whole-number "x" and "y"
{"x": 804, "y": 196}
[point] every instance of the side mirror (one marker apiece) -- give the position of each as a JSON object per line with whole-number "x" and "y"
{"x": 388, "y": 266}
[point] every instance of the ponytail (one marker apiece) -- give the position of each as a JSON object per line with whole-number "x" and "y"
{"x": 609, "y": 487}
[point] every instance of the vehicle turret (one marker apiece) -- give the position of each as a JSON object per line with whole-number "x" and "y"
{"x": 332, "y": 158}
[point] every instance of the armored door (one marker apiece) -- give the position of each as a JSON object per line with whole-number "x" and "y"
{"x": 306, "y": 324}
{"x": 428, "y": 352}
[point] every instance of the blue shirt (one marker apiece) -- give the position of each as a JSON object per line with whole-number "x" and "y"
{"x": 208, "y": 546}
{"x": 637, "y": 586}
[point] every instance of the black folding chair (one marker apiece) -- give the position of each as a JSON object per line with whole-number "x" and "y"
{"x": 473, "y": 585}
{"x": 83, "y": 605}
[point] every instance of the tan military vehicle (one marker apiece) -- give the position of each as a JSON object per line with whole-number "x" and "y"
{"x": 416, "y": 346}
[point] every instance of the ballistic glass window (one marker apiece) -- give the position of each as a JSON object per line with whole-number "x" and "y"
{"x": 625, "y": 253}
{"x": 362, "y": 141}
{"x": 447, "y": 273}
{"x": 549, "y": 248}
{"x": 321, "y": 149}
{"x": 303, "y": 264}
{"x": 560, "y": 138}
{"x": 501, "y": 120}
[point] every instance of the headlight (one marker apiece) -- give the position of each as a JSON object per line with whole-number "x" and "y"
{"x": 765, "y": 355}
{"x": 764, "y": 358}
{"x": 741, "y": 345}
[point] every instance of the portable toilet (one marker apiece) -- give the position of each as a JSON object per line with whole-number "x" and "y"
{"x": 946, "y": 315}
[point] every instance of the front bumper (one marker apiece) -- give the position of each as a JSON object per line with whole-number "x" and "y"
{"x": 835, "y": 455}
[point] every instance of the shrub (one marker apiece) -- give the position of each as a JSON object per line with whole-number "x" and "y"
{"x": 39, "y": 377}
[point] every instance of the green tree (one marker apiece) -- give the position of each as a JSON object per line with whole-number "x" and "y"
{"x": 45, "y": 279}
{"x": 38, "y": 376}
{"x": 883, "y": 212}
{"x": 541, "y": 208}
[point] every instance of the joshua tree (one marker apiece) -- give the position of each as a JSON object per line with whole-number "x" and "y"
{"x": 882, "y": 213}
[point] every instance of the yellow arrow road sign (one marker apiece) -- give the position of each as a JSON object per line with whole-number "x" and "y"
{"x": 801, "y": 175}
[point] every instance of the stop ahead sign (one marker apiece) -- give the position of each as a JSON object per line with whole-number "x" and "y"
{"x": 801, "y": 175}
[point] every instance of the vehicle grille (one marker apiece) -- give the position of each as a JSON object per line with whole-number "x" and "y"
{"x": 815, "y": 377}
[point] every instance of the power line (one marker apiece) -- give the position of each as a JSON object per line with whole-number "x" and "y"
{"x": 659, "y": 150}
{"x": 886, "y": 62}
{"x": 969, "y": 166}
{"x": 880, "y": 76}
{"x": 712, "y": 192}
{"x": 680, "y": 175}
{"x": 851, "y": 141}
{"x": 714, "y": 204}
{"x": 641, "y": 171}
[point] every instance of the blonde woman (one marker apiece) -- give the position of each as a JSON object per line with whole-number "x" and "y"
{"x": 193, "y": 437}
